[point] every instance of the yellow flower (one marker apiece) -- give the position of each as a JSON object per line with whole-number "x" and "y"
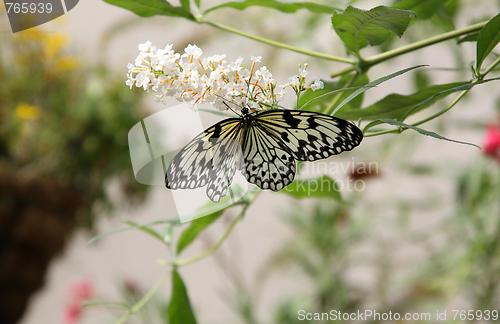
{"x": 53, "y": 44}
{"x": 27, "y": 112}
{"x": 31, "y": 34}
{"x": 67, "y": 64}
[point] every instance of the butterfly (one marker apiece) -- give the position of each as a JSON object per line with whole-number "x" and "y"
{"x": 263, "y": 145}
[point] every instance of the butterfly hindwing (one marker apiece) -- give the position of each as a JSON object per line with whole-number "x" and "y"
{"x": 310, "y": 136}
{"x": 267, "y": 163}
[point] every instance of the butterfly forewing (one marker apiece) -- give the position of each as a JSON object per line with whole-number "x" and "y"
{"x": 209, "y": 159}
{"x": 226, "y": 160}
{"x": 310, "y": 136}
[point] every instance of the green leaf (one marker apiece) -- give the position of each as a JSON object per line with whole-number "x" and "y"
{"x": 186, "y": 4}
{"x": 421, "y": 79}
{"x": 372, "y": 84}
{"x": 321, "y": 187}
{"x": 423, "y": 9}
{"x": 319, "y": 100}
{"x": 148, "y": 296}
{"x": 148, "y": 8}
{"x": 358, "y": 28}
{"x": 397, "y": 106}
{"x": 179, "y": 309}
{"x": 147, "y": 230}
{"x": 488, "y": 38}
{"x": 195, "y": 228}
{"x": 468, "y": 38}
{"x": 287, "y": 7}
{"x": 130, "y": 228}
{"x": 444, "y": 18}
{"x": 423, "y": 131}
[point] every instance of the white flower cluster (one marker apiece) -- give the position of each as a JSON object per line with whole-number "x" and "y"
{"x": 190, "y": 77}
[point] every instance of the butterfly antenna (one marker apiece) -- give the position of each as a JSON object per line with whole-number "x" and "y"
{"x": 247, "y": 105}
{"x": 227, "y": 100}
{"x": 225, "y": 104}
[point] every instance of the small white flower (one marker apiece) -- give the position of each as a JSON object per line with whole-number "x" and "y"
{"x": 144, "y": 47}
{"x": 255, "y": 59}
{"x": 236, "y": 65}
{"x": 130, "y": 83}
{"x": 190, "y": 77}
{"x": 317, "y": 85}
{"x": 215, "y": 59}
{"x": 293, "y": 81}
{"x": 303, "y": 70}
{"x": 264, "y": 75}
{"x": 279, "y": 91}
{"x": 194, "y": 51}
{"x": 143, "y": 79}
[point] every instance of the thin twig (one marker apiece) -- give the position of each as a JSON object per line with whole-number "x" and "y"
{"x": 213, "y": 248}
{"x": 275, "y": 43}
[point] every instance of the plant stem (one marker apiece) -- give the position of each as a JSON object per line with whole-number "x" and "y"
{"x": 213, "y": 248}
{"x": 343, "y": 71}
{"x": 337, "y": 97}
{"x": 379, "y": 58}
{"x": 146, "y": 298}
{"x": 274, "y": 43}
{"x": 491, "y": 67}
{"x": 439, "y": 113}
{"x": 420, "y": 122}
{"x": 423, "y": 43}
{"x": 451, "y": 105}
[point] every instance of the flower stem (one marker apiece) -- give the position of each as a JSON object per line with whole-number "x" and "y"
{"x": 423, "y": 43}
{"x": 337, "y": 97}
{"x": 420, "y": 122}
{"x": 491, "y": 67}
{"x": 343, "y": 71}
{"x": 213, "y": 248}
{"x": 451, "y": 105}
{"x": 275, "y": 43}
{"x": 379, "y": 58}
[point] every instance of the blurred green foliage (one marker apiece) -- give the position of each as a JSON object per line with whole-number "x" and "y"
{"x": 63, "y": 119}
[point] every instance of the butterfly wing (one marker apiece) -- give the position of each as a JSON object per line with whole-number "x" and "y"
{"x": 271, "y": 142}
{"x": 267, "y": 163}
{"x": 210, "y": 159}
{"x": 307, "y": 135}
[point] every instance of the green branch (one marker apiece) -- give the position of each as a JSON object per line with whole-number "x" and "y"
{"x": 274, "y": 43}
{"x": 490, "y": 68}
{"x": 439, "y": 113}
{"x": 376, "y": 59}
{"x": 213, "y": 248}
{"x": 420, "y": 122}
{"x": 365, "y": 64}
{"x": 335, "y": 100}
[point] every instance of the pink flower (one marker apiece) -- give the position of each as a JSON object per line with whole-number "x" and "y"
{"x": 72, "y": 313}
{"x": 491, "y": 146}
{"x": 79, "y": 293}
{"x": 82, "y": 290}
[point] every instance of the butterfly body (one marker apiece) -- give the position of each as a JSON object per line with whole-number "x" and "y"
{"x": 263, "y": 145}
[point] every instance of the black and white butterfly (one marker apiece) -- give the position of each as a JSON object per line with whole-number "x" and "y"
{"x": 263, "y": 145}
